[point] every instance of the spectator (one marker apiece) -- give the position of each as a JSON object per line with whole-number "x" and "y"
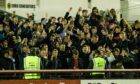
{"x": 2, "y": 34}
{"x": 75, "y": 62}
{"x": 117, "y": 64}
{"x": 7, "y": 63}
{"x": 45, "y": 61}
{"x": 94, "y": 17}
{"x": 32, "y": 62}
{"x": 98, "y": 62}
{"x": 63, "y": 56}
{"x": 84, "y": 55}
{"x": 57, "y": 37}
{"x": 55, "y": 61}
{"x": 128, "y": 62}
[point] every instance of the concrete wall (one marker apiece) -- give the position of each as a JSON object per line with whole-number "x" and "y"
{"x": 59, "y": 7}
{"x": 133, "y": 10}
{"x": 2, "y": 4}
{"x": 124, "y": 8}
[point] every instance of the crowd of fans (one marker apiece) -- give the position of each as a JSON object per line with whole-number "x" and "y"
{"x": 60, "y": 41}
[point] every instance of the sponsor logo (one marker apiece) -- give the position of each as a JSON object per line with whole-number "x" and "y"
{"x": 9, "y": 5}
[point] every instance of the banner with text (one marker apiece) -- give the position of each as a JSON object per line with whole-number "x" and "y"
{"x": 129, "y": 81}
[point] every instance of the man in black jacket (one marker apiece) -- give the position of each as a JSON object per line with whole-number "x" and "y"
{"x": 84, "y": 55}
{"x": 128, "y": 62}
{"x": 55, "y": 63}
{"x": 6, "y": 63}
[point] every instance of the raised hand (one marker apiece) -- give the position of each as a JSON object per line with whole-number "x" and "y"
{"x": 80, "y": 9}
{"x": 70, "y": 9}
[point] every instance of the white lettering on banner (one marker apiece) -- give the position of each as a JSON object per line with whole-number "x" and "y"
{"x": 129, "y": 81}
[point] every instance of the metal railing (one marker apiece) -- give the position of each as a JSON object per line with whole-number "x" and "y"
{"x": 69, "y": 71}
{"x": 72, "y": 73}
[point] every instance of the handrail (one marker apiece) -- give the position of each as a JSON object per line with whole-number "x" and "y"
{"x": 69, "y": 71}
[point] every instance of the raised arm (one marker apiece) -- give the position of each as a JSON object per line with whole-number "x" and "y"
{"x": 67, "y": 13}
